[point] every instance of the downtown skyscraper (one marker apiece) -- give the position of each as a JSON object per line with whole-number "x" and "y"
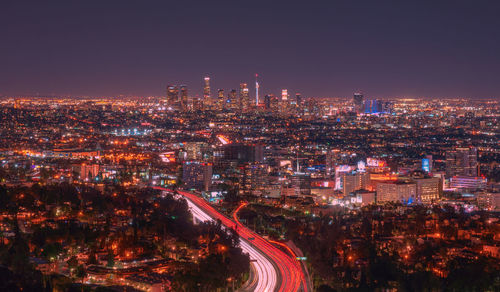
{"x": 172, "y": 95}
{"x": 244, "y": 97}
{"x": 358, "y": 101}
{"x": 184, "y": 98}
{"x": 462, "y": 161}
{"x": 206, "y": 90}
{"x": 256, "y": 90}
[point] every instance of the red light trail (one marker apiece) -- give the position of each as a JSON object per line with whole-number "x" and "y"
{"x": 291, "y": 273}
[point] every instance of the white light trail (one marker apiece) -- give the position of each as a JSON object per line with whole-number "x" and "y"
{"x": 266, "y": 272}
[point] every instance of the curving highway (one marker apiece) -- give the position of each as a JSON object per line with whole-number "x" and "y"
{"x": 293, "y": 277}
{"x": 275, "y": 270}
{"x": 266, "y": 277}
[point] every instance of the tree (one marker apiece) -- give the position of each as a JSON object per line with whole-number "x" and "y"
{"x": 92, "y": 260}
{"x": 81, "y": 273}
{"x": 472, "y": 275}
{"x": 51, "y": 251}
{"x": 72, "y": 263}
{"x": 110, "y": 259}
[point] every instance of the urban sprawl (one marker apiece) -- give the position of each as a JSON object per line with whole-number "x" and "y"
{"x": 241, "y": 190}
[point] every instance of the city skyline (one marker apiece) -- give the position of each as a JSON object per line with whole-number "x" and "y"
{"x": 285, "y": 146}
{"x": 445, "y": 49}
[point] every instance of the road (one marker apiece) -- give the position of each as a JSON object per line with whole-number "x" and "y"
{"x": 276, "y": 271}
{"x": 293, "y": 277}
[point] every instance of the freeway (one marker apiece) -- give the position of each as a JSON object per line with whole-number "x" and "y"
{"x": 290, "y": 267}
{"x": 265, "y": 271}
{"x": 276, "y": 271}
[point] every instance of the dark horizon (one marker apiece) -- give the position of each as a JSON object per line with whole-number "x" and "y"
{"x": 386, "y": 49}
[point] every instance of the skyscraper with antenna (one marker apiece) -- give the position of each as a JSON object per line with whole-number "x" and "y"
{"x": 256, "y": 90}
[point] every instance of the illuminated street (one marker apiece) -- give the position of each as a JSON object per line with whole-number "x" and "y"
{"x": 276, "y": 271}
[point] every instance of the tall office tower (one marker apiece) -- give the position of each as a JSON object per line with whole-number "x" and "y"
{"x": 428, "y": 189}
{"x": 396, "y": 192}
{"x": 358, "y": 102}
{"x": 221, "y": 100}
{"x": 255, "y": 177}
{"x": 172, "y": 96}
{"x": 244, "y": 101}
{"x": 284, "y": 95}
{"x": 373, "y": 106}
{"x": 354, "y": 181}
{"x": 206, "y": 91}
{"x": 197, "y": 175}
{"x": 184, "y": 97}
{"x": 267, "y": 102}
{"x": 256, "y": 90}
{"x": 298, "y": 99}
{"x": 231, "y": 99}
{"x": 462, "y": 162}
{"x": 301, "y": 182}
{"x": 284, "y": 101}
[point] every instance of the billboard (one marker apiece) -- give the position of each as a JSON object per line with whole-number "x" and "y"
{"x": 373, "y": 162}
{"x": 426, "y": 165}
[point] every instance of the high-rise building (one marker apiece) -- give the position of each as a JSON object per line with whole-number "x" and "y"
{"x": 298, "y": 99}
{"x": 373, "y": 106}
{"x": 354, "y": 181}
{"x": 243, "y": 153}
{"x": 462, "y": 162}
{"x": 197, "y": 175}
{"x": 301, "y": 182}
{"x": 428, "y": 189}
{"x": 172, "y": 95}
{"x": 358, "y": 102}
{"x": 267, "y": 102}
{"x": 231, "y": 99}
{"x": 284, "y": 95}
{"x": 256, "y": 90}
{"x": 244, "y": 98}
{"x": 206, "y": 91}
{"x": 221, "y": 100}
{"x": 284, "y": 101}
{"x": 184, "y": 97}
{"x": 396, "y": 192}
{"x": 255, "y": 177}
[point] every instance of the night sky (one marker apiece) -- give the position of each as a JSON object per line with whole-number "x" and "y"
{"x": 319, "y": 48}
